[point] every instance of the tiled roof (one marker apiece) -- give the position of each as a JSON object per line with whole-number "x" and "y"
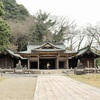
{"x": 12, "y": 53}
{"x": 38, "y": 47}
{"x": 86, "y": 49}
{"x": 24, "y": 52}
{"x": 68, "y": 51}
{"x": 50, "y": 50}
{"x": 33, "y": 46}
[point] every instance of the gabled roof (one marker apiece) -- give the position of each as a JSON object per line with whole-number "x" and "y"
{"x": 49, "y": 45}
{"x": 44, "y": 47}
{"x": 86, "y": 50}
{"x": 10, "y": 52}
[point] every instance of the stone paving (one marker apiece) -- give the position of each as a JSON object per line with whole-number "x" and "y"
{"x": 56, "y": 87}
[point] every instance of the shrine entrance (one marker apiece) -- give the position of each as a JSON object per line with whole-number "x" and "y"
{"x": 47, "y": 63}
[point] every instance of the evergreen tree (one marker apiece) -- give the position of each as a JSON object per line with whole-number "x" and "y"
{"x": 14, "y": 10}
{"x": 1, "y": 9}
{"x": 4, "y": 31}
{"x": 41, "y": 29}
{"x": 58, "y": 36}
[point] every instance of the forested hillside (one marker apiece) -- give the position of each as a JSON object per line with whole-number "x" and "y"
{"x": 19, "y": 20}
{"x": 26, "y": 28}
{"x": 5, "y": 31}
{"x": 14, "y": 10}
{"x": 41, "y": 26}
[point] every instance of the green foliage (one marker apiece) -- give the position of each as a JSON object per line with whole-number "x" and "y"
{"x": 10, "y": 11}
{"x": 13, "y": 10}
{"x": 21, "y": 41}
{"x": 4, "y": 30}
{"x": 57, "y": 37}
{"x": 98, "y": 62}
{"x": 5, "y": 34}
{"x": 42, "y": 27}
{"x": 1, "y": 9}
{"x": 46, "y": 27}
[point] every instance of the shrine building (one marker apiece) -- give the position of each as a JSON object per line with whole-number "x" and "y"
{"x": 47, "y": 55}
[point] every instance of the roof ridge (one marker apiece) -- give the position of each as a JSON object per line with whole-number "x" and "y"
{"x": 40, "y": 43}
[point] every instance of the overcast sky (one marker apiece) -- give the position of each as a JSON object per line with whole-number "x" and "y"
{"x": 82, "y": 11}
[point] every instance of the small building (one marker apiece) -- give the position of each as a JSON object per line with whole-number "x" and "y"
{"x": 8, "y": 59}
{"x": 47, "y": 55}
{"x": 86, "y": 56}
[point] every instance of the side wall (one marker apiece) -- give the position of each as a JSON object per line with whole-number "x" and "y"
{"x": 6, "y": 61}
{"x": 87, "y": 62}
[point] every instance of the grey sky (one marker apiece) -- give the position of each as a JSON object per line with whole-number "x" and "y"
{"x": 82, "y": 11}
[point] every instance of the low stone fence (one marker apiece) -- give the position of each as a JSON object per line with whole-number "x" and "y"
{"x": 56, "y": 71}
{"x": 36, "y": 71}
{"x": 86, "y": 70}
{"x": 90, "y": 70}
{"x": 7, "y": 70}
{"x": 68, "y": 71}
{"x": 16, "y": 71}
{"x": 79, "y": 71}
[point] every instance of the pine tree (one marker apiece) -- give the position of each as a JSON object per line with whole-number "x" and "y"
{"x": 41, "y": 29}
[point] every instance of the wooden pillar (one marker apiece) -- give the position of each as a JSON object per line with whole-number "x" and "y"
{"x": 38, "y": 63}
{"x": 57, "y": 63}
{"x": 67, "y": 63}
{"x": 6, "y": 63}
{"x": 28, "y": 63}
{"x": 94, "y": 64}
{"x": 13, "y": 64}
{"x": 88, "y": 64}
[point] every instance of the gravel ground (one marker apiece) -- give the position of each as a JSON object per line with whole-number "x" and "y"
{"x": 17, "y": 88}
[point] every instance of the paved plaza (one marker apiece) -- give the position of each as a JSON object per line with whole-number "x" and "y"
{"x": 56, "y": 87}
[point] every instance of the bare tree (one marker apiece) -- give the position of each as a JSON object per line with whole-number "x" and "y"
{"x": 94, "y": 35}
{"x": 20, "y": 32}
{"x": 71, "y": 35}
